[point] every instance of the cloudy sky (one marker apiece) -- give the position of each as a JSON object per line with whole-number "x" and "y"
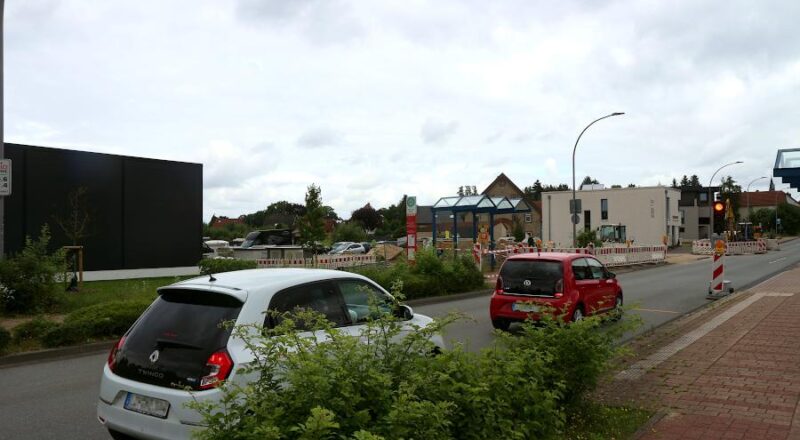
{"x": 375, "y": 99}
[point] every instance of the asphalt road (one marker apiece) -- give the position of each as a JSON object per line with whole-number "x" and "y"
{"x": 56, "y": 399}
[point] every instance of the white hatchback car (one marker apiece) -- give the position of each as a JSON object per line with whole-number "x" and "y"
{"x": 177, "y": 352}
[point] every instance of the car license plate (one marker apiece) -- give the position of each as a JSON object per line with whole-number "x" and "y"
{"x": 525, "y": 307}
{"x": 147, "y": 405}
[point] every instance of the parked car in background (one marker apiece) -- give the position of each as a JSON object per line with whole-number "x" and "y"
{"x": 236, "y": 242}
{"x": 348, "y": 248}
{"x": 568, "y": 285}
{"x": 177, "y": 351}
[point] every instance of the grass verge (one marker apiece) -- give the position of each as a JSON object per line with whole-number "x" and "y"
{"x": 99, "y": 292}
{"x": 595, "y": 421}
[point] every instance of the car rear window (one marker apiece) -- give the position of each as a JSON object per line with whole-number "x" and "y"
{"x": 185, "y": 328}
{"x": 531, "y": 277}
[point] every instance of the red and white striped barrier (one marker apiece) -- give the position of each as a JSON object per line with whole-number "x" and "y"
{"x": 718, "y": 273}
{"x": 323, "y": 262}
{"x": 610, "y": 256}
{"x": 703, "y": 247}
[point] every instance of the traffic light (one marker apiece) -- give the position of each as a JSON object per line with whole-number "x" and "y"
{"x": 719, "y": 216}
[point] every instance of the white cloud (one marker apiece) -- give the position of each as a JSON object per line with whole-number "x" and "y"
{"x": 373, "y": 100}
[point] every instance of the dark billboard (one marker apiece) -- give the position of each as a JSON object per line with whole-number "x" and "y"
{"x": 139, "y": 212}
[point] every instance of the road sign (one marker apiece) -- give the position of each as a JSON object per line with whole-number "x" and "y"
{"x": 719, "y": 247}
{"x": 411, "y": 227}
{"x": 576, "y": 208}
{"x": 411, "y": 205}
{"x": 5, "y": 177}
{"x": 576, "y": 219}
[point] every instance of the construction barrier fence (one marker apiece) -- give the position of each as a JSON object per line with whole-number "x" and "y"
{"x": 704, "y": 247}
{"x": 322, "y": 261}
{"x": 610, "y": 256}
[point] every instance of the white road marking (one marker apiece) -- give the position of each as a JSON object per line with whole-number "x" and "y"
{"x": 638, "y": 369}
{"x": 779, "y": 259}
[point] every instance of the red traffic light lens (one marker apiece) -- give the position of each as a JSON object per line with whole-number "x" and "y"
{"x": 719, "y": 207}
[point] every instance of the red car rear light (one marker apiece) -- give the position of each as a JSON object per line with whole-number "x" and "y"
{"x": 559, "y": 288}
{"x": 112, "y": 356}
{"x": 498, "y": 286}
{"x": 218, "y": 367}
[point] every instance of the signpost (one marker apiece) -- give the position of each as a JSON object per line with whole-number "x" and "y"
{"x": 5, "y": 177}
{"x": 411, "y": 227}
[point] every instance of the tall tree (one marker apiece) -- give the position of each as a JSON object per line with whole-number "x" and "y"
{"x": 589, "y": 181}
{"x": 694, "y": 182}
{"x": 394, "y": 221}
{"x": 367, "y": 216}
{"x": 771, "y": 185}
{"x": 729, "y": 190}
{"x": 312, "y": 225}
{"x": 674, "y": 183}
{"x": 685, "y": 184}
{"x": 534, "y": 192}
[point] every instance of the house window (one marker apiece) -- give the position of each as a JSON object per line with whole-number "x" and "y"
{"x": 528, "y": 218}
{"x": 703, "y": 196}
{"x": 603, "y": 209}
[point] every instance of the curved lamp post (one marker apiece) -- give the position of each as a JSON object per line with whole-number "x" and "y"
{"x": 749, "y": 211}
{"x": 710, "y": 209}
{"x": 574, "y": 213}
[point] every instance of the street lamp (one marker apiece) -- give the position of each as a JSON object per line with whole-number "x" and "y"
{"x": 749, "y": 212}
{"x": 574, "y": 210}
{"x": 711, "y": 214}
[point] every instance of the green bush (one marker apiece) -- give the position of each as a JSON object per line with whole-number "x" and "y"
{"x": 431, "y": 275}
{"x": 95, "y": 322}
{"x": 218, "y": 265}
{"x": 5, "y": 339}
{"x": 33, "y": 329}
{"x": 393, "y": 388}
{"x": 588, "y": 236}
{"x": 28, "y": 279}
{"x": 349, "y": 231}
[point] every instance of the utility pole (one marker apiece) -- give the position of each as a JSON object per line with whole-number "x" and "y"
{"x": 2, "y": 141}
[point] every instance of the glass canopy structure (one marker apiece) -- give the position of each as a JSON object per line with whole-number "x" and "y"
{"x": 477, "y": 204}
{"x": 787, "y": 166}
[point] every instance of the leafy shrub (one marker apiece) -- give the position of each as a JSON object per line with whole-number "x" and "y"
{"x": 431, "y": 275}
{"x": 338, "y": 387}
{"x": 349, "y": 231}
{"x": 5, "y": 339}
{"x": 95, "y": 322}
{"x": 586, "y": 237}
{"x": 218, "y": 265}
{"x": 28, "y": 279}
{"x": 33, "y": 329}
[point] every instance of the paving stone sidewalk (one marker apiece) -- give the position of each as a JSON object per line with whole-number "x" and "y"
{"x": 731, "y": 371}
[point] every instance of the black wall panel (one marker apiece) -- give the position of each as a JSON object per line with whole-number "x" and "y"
{"x": 144, "y": 212}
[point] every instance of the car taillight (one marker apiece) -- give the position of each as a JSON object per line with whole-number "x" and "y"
{"x": 498, "y": 286}
{"x": 559, "y": 288}
{"x": 112, "y": 356}
{"x": 218, "y": 367}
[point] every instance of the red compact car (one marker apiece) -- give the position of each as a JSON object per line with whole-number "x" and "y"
{"x": 567, "y": 285}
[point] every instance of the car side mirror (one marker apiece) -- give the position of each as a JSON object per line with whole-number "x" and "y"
{"x": 403, "y": 312}
{"x": 611, "y": 275}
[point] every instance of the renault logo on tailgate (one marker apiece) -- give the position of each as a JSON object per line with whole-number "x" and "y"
{"x": 526, "y": 283}
{"x": 154, "y": 357}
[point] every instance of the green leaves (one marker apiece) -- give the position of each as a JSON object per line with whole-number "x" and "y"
{"x": 386, "y": 384}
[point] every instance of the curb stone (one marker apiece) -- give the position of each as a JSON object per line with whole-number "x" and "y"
{"x": 648, "y": 425}
{"x": 14, "y": 360}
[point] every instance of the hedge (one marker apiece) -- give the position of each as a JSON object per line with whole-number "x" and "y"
{"x": 100, "y": 321}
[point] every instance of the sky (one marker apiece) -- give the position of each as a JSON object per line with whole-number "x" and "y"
{"x": 371, "y": 100}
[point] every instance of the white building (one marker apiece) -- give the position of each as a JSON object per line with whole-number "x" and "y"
{"x": 646, "y": 215}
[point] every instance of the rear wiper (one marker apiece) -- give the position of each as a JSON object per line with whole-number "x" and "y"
{"x": 173, "y": 343}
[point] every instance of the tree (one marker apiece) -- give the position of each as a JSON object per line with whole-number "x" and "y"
{"x": 394, "y": 221}
{"x": 367, "y": 216}
{"x": 589, "y": 181}
{"x": 631, "y": 185}
{"x": 685, "y": 184}
{"x": 771, "y": 185}
{"x": 460, "y": 191}
{"x": 349, "y": 231}
{"x": 312, "y": 225}
{"x": 75, "y": 223}
{"x": 694, "y": 182}
{"x": 616, "y": 186}
{"x": 674, "y": 183}
{"x": 534, "y": 192}
{"x": 729, "y": 190}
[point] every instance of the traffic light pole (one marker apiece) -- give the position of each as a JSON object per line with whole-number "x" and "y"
{"x": 711, "y": 202}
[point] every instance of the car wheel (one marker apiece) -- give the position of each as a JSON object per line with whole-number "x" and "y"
{"x": 116, "y": 435}
{"x": 501, "y": 324}
{"x": 616, "y": 312}
{"x": 577, "y": 314}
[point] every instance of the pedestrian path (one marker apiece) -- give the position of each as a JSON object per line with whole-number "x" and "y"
{"x": 731, "y": 371}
